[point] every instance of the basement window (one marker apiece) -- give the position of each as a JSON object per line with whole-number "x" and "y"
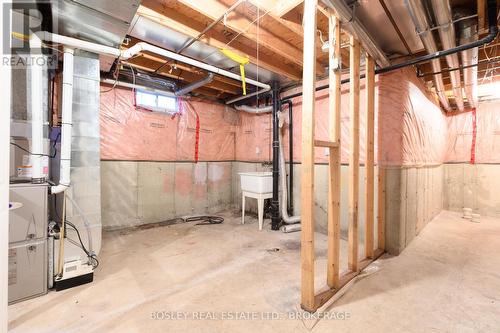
{"x": 156, "y": 102}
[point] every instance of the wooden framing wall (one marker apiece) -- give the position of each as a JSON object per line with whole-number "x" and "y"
{"x": 335, "y": 279}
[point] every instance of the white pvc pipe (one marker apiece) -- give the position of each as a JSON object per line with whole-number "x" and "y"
{"x": 36, "y": 105}
{"x": 141, "y": 46}
{"x": 254, "y": 110}
{"x": 66, "y": 128}
{"x": 5, "y": 74}
{"x": 78, "y": 44}
{"x": 284, "y": 197}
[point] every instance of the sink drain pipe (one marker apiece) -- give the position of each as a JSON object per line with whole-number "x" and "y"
{"x": 290, "y": 223}
{"x": 275, "y": 203}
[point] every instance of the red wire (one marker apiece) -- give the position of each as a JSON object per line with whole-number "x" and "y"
{"x": 474, "y": 134}
{"x": 197, "y": 142}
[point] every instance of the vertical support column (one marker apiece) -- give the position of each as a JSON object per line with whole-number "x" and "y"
{"x": 307, "y": 169}
{"x": 381, "y": 208}
{"x": 5, "y": 74}
{"x": 334, "y": 76}
{"x": 275, "y": 204}
{"x": 369, "y": 165}
{"x": 354, "y": 154}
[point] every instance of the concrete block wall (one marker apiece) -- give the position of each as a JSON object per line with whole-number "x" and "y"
{"x": 414, "y": 196}
{"x": 473, "y": 186}
{"x": 135, "y": 193}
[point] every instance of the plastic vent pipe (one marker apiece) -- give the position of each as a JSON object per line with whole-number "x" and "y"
{"x": 66, "y": 127}
{"x": 36, "y": 103}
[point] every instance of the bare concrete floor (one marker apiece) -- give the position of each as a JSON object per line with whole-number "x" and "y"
{"x": 447, "y": 280}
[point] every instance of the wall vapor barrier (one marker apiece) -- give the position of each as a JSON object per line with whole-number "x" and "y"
{"x": 414, "y": 131}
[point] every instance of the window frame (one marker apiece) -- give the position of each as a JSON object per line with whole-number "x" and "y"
{"x": 139, "y": 104}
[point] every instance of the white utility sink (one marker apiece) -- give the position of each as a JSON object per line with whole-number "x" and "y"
{"x": 257, "y": 182}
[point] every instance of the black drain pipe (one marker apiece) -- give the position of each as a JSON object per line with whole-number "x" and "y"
{"x": 492, "y": 34}
{"x": 275, "y": 203}
{"x": 290, "y": 152}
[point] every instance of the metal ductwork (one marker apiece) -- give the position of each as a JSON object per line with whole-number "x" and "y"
{"x": 468, "y": 33}
{"x": 419, "y": 17}
{"x": 254, "y": 109}
{"x": 352, "y": 24}
{"x": 442, "y": 14}
{"x": 195, "y": 85}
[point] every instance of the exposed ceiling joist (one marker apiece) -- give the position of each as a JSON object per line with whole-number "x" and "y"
{"x": 278, "y": 8}
{"x": 272, "y": 37}
{"x": 176, "y": 16}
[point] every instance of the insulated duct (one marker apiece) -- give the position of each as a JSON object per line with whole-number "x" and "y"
{"x": 195, "y": 85}
{"x": 419, "y": 18}
{"x": 254, "y": 109}
{"x": 352, "y": 24}
{"x": 468, "y": 34}
{"x": 442, "y": 14}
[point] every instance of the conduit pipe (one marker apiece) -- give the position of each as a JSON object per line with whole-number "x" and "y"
{"x": 67, "y": 119}
{"x": 468, "y": 34}
{"x": 254, "y": 109}
{"x": 442, "y": 14}
{"x": 419, "y": 18}
{"x": 195, "y": 85}
{"x": 36, "y": 84}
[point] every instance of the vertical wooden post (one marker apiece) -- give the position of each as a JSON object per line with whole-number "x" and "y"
{"x": 381, "y": 208}
{"x": 369, "y": 165}
{"x": 307, "y": 168}
{"x": 334, "y": 75}
{"x": 481, "y": 14}
{"x": 354, "y": 154}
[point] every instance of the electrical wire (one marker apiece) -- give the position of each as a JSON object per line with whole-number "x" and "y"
{"x": 92, "y": 256}
{"x": 53, "y": 155}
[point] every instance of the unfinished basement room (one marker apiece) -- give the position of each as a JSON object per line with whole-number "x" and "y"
{"x": 249, "y": 166}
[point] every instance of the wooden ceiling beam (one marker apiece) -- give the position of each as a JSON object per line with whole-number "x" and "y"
{"x": 278, "y": 8}
{"x": 174, "y": 18}
{"x": 241, "y": 24}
